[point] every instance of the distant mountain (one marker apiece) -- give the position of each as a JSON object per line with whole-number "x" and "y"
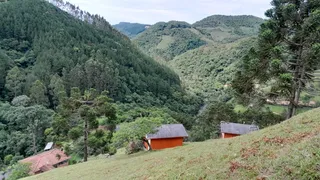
{"x": 204, "y": 54}
{"x": 131, "y": 29}
{"x": 163, "y": 41}
{"x": 222, "y": 28}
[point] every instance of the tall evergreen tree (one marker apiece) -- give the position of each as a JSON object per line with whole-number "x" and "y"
{"x": 287, "y": 54}
{"x": 38, "y": 94}
{"x": 56, "y": 90}
{"x": 14, "y": 82}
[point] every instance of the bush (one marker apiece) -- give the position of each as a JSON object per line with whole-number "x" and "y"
{"x": 19, "y": 171}
{"x": 15, "y": 159}
{"x": 7, "y": 159}
{"x": 134, "y": 146}
{"x": 112, "y": 150}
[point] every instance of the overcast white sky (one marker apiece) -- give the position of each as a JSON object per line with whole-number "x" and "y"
{"x": 152, "y": 11}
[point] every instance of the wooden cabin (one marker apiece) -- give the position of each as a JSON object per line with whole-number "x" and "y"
{"x": 166, "y": 136}
{"x": 46, "y": 161}
{"x": 229, "y": 130}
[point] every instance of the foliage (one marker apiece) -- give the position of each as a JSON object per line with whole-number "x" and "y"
{"x": 164, "y": 41}
{"x": 240, "y": 25}
{"x": 208, "y": 71}
{"x": 22, "y": 129}
{"x": 19, "y": 171}
{"x": 207, "y": 124}
{"x": 131, "y": 134}
{"x": 286, "y": 56}
{"x": 262, "y": 118}
{"x": 86, "y": 109}
{"x": 99, "y": 142}
{"x": 61, "y": 52}
{"x": 208, "y": 66}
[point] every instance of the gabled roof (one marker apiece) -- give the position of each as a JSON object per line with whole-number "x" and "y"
{"x": 169, "y": 131}
{"x": 235, "y": 128}
{"x": 46, "y": 160}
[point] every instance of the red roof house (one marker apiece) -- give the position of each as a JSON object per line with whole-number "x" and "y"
{"x": 46, "y": 161}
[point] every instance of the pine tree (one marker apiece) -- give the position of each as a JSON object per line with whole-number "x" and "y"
{"x": 38, "y": 94}
{"x": 14, "y": 82}
{"x": 287, "y": 54}
{"x": 56, "y": 90}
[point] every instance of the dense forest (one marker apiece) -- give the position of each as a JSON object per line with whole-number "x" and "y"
{"x": 50, "y": 60}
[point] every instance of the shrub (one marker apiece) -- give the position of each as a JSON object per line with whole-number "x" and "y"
{"x": 20, "y": 171}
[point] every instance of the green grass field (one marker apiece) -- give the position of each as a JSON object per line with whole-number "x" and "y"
{"x": 277, "y": 109}
{"x": 290, "y": 150}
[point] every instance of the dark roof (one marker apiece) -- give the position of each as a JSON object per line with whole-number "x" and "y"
{"x": 169, "y": 131}
{"x": 235, "y": 128}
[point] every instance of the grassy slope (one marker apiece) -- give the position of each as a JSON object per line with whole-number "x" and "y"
{"x": 290, "y": 150}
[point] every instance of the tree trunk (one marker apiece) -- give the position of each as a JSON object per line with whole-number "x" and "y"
{"x": 85, "y": 159}
{"x": 299, "y": 74}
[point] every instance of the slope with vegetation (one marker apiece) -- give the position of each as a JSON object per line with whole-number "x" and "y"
{"x": 57, "y": 73}
{"x": 289, "y": 150}
{"x": 163, "y": 41}
{"x": 204, "y": 54}
{"x": 49, "y": 45}
{"x": 225, "y": 29}
{"x": 131, "y": 29}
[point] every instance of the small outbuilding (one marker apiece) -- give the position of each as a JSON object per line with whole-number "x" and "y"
{"x": 229, "y": 130}
{"x": 166, "y": 136}
{"x": 46, "y": 161}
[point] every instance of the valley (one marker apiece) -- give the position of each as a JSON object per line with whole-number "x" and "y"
{"x": 223, "y": 97}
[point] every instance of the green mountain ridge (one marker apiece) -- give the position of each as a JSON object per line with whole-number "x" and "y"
{"x": 163, "y": 41}
{"x": 204, "y": 54}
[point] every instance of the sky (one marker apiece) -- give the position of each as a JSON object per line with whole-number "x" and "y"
{"x": 153, "y": 11}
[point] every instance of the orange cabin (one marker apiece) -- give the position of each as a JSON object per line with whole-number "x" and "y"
{"x": 167, "y": 136}
{"x": 230, "y": 130}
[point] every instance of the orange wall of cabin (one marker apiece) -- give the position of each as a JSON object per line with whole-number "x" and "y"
{"x": 157, "y": 144}
{"x": 227, "y": 135}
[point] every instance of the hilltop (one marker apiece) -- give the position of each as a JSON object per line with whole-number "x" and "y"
{"x": 131, "y": 29}
{"x": 289, "y": 150}
{"x": 163, "y": 41}
{"x": 222, "y": 28}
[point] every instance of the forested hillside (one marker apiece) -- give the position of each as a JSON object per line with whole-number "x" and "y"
{"x": 204, "y": 54}
{"x": 208, "y": 70}
{"x": 54, "y": 65}
{"x": 49, "y": 45}
{"x": 163, "y": 41}
{"x": 228, "y": 28}
{"x": 131, "y": 29}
